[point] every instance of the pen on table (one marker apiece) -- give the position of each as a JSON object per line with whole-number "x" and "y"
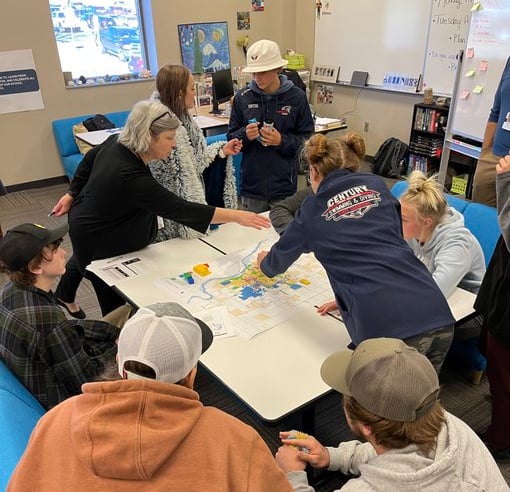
{"x": 338, "y": 318}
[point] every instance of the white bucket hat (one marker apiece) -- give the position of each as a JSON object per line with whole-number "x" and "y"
{"x": 262, "y": 56}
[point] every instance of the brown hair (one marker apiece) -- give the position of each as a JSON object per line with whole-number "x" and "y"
{"x": 24, "y": 275}
{"x": 328, "y": 155}
{"x": 426, "y": 195}
{"x": 172, "y": 84}
{"x": 140, "y": 369}
{"x": 397, "y": 435}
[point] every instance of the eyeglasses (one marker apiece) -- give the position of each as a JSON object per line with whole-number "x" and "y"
{"x": 166, "y": 113}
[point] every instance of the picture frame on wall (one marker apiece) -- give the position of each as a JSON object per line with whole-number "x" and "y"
{"x": 204, "y": 46}
{"x": 325, "y": 73}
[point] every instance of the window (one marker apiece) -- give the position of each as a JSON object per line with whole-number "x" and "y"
{"x": 102, "y": 40}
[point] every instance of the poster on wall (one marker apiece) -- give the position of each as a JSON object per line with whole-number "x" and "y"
{"x": 19, "y": 86}
{"x": 243, "y": 21}
{"x": 204, "y": 46}
{"x": 257, "y": 5}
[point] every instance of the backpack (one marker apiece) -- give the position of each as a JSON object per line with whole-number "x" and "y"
{"x": 390, "y": 159}
{"x": 98, "y": 122}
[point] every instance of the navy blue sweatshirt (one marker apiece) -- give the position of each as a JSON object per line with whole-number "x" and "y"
{"x": 270, "y": 173}
{"x": 353, "y": 226}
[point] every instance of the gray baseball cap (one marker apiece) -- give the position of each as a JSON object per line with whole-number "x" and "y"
{"x": 386, "y": 377}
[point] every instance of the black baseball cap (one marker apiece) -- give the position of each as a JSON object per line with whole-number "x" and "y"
{"x": 22, "y": 243}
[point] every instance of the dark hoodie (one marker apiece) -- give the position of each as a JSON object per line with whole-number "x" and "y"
{"x": 270, "y": 173}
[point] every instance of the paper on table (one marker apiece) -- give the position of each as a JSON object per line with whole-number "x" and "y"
{"x": 119, "y": 268}
{"x": 218, "y": 320}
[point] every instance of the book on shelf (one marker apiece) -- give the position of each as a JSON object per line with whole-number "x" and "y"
{"x": 328, "y": 123}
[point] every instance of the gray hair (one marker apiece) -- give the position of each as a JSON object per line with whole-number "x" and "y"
{"x": 146, "y": 120}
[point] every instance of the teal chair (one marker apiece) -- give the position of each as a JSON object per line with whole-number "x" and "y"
{"x": 66, "y": 145}
{"x": 19, "y": 413}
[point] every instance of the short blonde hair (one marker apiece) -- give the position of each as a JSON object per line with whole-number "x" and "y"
{"x": 146, "y": 120}
{"x": 426, "y": 196}
{"x": 328, "y": 155}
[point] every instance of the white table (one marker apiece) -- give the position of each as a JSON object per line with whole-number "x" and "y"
{"x": 231, "y": 237}
{"x": 158, "y": 260}
{"x": 97, "y": 137}
{"x": 277, "y": 372}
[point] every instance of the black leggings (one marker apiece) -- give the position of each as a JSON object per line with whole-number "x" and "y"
{"x": 107, "y": 297}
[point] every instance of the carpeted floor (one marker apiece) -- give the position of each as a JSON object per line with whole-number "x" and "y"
{"x": 468, "y": 402}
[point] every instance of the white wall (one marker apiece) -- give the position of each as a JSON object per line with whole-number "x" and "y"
{"x": 388, "y": 114}
{"x": 29, "y": 151}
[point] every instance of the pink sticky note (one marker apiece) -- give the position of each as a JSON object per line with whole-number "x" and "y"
{"x": 483, "y": 65}
{"x": 465, "y": 94}
{"x": 470, "y": 53}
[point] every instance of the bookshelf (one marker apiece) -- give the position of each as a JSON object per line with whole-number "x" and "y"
{"x": 427, "y": 136}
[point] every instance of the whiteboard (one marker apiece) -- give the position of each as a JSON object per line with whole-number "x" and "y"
{"x": 406, "y": 37}
{"x": 448, "y": 32}
{"x": 489, "y": 40}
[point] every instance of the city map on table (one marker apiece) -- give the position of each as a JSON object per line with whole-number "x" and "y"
{"x": 254, "y": 302}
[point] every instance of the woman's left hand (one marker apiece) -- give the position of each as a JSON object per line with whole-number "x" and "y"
{"x": 251, "y": 219}
{"x": 233, "y": 147}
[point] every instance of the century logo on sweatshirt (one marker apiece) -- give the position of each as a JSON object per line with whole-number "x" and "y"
{"x": 352, "y": 203}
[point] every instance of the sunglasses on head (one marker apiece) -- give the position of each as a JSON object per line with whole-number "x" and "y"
{"x": 166, "y": 113}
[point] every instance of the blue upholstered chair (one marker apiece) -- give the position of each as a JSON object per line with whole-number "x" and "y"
{"x": 68, "y": 150}
{"x": 19, "y": 413}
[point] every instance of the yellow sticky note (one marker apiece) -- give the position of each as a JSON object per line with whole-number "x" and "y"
{"x": 476, "y": 6}
{"x": 464, "y": 95}
{"x": 470, "y": 53}
{"x": 478, "y": 89}
{"x": 483, "y": 65}
{"x": 470, "y": 73}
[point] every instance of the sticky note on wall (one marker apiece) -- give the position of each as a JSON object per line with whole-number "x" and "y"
{"x": 470, "y": 53}
{"x": 478, "y": 89}
{"x": 483, "y": 65}
{"x": 465, "y": 94}
{"x": 470, "y": 73}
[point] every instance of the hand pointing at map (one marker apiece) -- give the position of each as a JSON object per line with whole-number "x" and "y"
{"x": 260, "y": 257}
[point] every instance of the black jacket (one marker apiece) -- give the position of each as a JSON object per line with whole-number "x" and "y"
{"x": 117, "y": 203}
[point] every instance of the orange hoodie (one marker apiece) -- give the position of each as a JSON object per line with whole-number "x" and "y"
{"x": 137, "y": 435}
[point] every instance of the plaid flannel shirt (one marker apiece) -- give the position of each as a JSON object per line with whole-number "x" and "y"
{"x": 51, "y": 355}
